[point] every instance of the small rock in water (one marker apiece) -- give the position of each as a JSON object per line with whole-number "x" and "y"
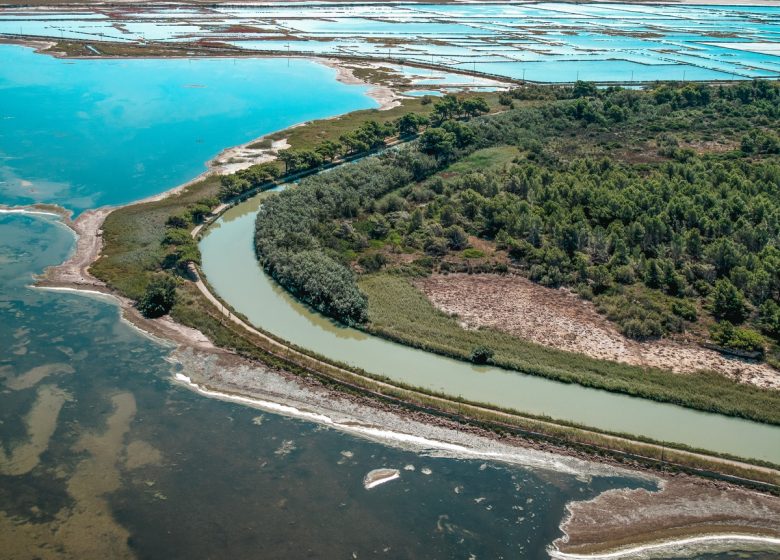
{"x": 258, "y": 420}
{"x": 287, "y": 447}
{"x": 409, "y": 468}
{"x": 426, "y": 471}
{"x": 380, "y": 476}
{"x": 345, "y": 456}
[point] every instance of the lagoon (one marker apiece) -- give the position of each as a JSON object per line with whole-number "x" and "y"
{"x": 89, "y": 133}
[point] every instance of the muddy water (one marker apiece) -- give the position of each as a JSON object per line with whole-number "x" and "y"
{"x": 129, "y": 463}
{"x": 232, "y": 270}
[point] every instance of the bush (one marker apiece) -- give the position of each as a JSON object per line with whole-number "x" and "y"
{"x": 685, "y": 309}
{"x": 472, "y": 253}
{"x": 481, "y": 355}
{"x": 727, "y": 335}
{"x": 769, "y": 319}
{"x": 372, "y": 262}
{"x": 159, "y": 296}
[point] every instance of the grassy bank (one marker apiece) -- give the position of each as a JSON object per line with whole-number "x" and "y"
{"x": 397, "y": 310}
{"x": 133, "y": 238}
{"x": 134, "y": 251}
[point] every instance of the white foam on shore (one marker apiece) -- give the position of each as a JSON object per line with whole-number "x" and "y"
{"x": 671, "y": 546}
{"x": 434, "y": 447}
{"x": 392, "y": 474}
{"x": 101, "y": 295}
{"x": 29, "y": 211}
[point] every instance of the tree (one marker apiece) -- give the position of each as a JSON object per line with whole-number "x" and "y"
{"x": 159, "y": 296}
{"x": 409, "y": 124}
{"x": 438, "y": 142}
{"x": 328, "y": 150}
{"x": 584, "y": 89}
{"x": 601, "y": 279}
{"x": 728, "y": 302}
{"x": 652, "y": 275}
{"x": 475, "y": 106}
{"x": 291, "y": 160}
{"x": 769, "y": 318}
{"x": 456, "y": 238}
{"x": 446, "y": 108}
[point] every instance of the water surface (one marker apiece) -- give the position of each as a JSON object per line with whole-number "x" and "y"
{"x": 87, "y": 133}
{"x": 232, "y": 270}
{"x": 542, "y": 41}
{"x": 192, "y": 477}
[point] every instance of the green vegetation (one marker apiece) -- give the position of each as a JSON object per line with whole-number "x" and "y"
{"x": 648, "y": 203}
{"x": 138, "y": 238}
{"x": 400, "y": 312}
{"x": 159, "y": 296}
{"x": 287, "y": 233}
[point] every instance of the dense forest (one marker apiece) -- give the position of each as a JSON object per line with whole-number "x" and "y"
{"x": 662, "y": 206}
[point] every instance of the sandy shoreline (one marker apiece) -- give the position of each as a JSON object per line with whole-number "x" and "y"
{"x": 641, "y": 520}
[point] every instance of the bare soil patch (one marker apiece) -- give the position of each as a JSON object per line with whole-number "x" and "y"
{"x": 560, "y": 319}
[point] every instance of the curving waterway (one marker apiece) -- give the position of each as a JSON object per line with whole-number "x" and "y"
{"x": 232, "y": 269}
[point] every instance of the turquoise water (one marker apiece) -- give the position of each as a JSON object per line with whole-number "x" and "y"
{"x": 87, "y": 133}
{"x": 605, "y": 41}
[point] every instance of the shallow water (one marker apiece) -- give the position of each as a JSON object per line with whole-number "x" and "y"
{"x": 232, "y": 270}
{"x": 199, "y": 478}
{"x": 88, "y": 133}
{"x": 609, "y": 41}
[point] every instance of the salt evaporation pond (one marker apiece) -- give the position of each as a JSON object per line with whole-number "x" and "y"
{"x": 600, "y": 42}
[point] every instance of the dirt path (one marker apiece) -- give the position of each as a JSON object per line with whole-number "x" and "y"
{"x": 289, "y": 353}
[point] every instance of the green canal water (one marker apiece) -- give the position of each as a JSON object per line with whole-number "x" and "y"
{"x": 232, "y": 270}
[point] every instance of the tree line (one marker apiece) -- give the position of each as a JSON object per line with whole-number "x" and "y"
{"x": 659, "y": 242}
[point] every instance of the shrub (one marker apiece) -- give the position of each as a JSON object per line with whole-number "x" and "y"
{"x": 727, "y": 302}
{"x": 481, "y": 355}
{"x": 727, "y": 335}
{"x": 159, "y": 296}
{"x": 472, "y": 253}
{"x": 372, "y": 262}
{"x": 769, "y": 319}
{"x": 685, "y": 309}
